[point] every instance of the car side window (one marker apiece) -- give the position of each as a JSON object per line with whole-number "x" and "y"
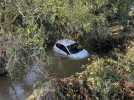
{"x": 60, "y": 46}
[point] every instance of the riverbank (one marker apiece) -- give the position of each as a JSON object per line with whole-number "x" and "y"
{"x": 102, "y": 77}
{"x": 105, "y": 78}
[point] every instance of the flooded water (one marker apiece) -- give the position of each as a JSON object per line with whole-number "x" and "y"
{"x": 64, "y": 67}
{"x": 57, "y": 68}
{"x": 5, "y": 88}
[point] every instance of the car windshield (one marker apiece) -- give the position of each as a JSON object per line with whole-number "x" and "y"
{"x": 74, "y": 48}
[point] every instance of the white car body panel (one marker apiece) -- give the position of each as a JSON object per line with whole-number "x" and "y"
{"x": 80, "y": 55}
{"x": 59, "y": 52}
{"x": 65, "y": 42}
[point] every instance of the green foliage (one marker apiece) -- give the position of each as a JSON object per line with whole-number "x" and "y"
{"x": 103, "y": 74}
{"x": 42, "y": 22}
{"x": 18, "y": 62}
{"x": 88, "y": 17}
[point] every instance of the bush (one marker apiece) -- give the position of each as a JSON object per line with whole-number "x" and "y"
{"x": 104, "y": 74}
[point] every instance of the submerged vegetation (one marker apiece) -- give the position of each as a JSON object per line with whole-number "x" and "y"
{"x": 29, "y": 28}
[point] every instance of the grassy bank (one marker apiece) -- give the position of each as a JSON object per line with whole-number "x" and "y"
{"x": 105, "y": 78}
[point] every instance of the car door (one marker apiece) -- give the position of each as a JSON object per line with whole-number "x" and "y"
{"x": 62, "y": 50}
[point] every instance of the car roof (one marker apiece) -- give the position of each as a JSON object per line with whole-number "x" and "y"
{"x": 66, "y": 42}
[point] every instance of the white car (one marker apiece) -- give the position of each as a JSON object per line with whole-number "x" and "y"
{"x": 70, "y": 49}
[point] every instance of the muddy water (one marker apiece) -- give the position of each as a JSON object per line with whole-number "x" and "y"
{"x": 57, "y": 67}
{"x": 5, "y": 88}
{"x": 64, "y": 67}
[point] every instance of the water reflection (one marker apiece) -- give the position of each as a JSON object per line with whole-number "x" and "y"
{"x": 64, "y": 67}
{"x": 57, "y": 67}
